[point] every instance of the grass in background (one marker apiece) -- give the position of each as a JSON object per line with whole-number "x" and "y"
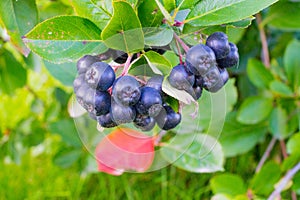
{"x": 38, "y": 178}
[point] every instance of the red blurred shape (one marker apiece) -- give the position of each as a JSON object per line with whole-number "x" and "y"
{"x": 125, "y": 149}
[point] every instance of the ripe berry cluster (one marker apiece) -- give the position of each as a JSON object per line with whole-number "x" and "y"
{"x": 205, "y": 66}
{"x": 113, "y": 101}
{"x": 128, "y": 100}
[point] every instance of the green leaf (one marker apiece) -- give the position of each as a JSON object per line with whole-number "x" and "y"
{"x": 296, "y": 183}
{"x": 169, "y": 4}
{"x": 65, "y": 39}
{"x": 163, "y": 10}
{"x": 149, "y": 14}
{"x": 65, "y": 73}
{"x": 18, "y": 17}
{"x": 158, "y": 63}
{"x": 293, "y": 144}
{"x": 67, "y": 130}
{"x": 211, "y": 115}
{"x": 263, "y": 182}
{"x": 278, "y": 123}
{"x": 237, "y": 139}
{"x": 158, "y": 36}
{"x": 93, "y": 10}
{"x": 12, "y": 73}
{"x": 180, "y": 95}
{"x": 279, "y": 88}
{"x": 292, "y": 63}
{"x": 66, "y": 157}
{"x": 208, "y": 13}
{"x": 227, "y": 183}
{"x": 183, "y": 4}
{"x": 195, "y": 153}
{"x": 245, "y": 23}
{"x": 258, "y": 74}
{"x": 124, "y": 31}
{"x": 140, "y": 67}
{"x": 284, "y": 15}
{"x": 254, "y": 110}
{"x": 290, "y": 161}
{"x": 19, "y": 104}
{"x": 149, "y": 64}
{"x": 54, "y": 8}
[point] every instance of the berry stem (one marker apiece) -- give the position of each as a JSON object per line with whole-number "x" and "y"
{"x": 116, "y": 67}
{"x": 181, "y": 42}
{"x": 127, "y": 65}
{"x": 179, "y": 52}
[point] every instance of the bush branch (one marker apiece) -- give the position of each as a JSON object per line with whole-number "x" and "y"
{"x": 263, "y": 38}
{"x": 266, "y": 155}
{"x": 284, "y": 181}
{"x": 184, "y": 46}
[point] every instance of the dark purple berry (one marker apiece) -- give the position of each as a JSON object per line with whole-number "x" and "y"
{"x": 144, "y": 122}
{"x": 102, "y": 102}
{"x": 120, "y": 56}
{"x": 212, "y": 80}
{"x": 224, "y": 75}
{"x": 121, "y": 114}
{"x": 85, "y": 62}
{"x": 180, "y": 79}
{"x": 168, "y": 118}
{"x": 89, "y": 100}
{"x": 197, "y": 92}
{"x": 78, "y": 82}
{"x": 199, "y": 81}
{"x": 81, "y": 93}
{"x": 150, "y": 102}
{"x": 218, "y": 42}
{"x": 100, "y": 76}
{"x": 156, "y": 82}
{"x": 93, "y": 115}
{"x": 126, "y": 90}
{"x": 199, "y": 59}
{"x": 232, "y": 59}
{"x": 106, "y": 121}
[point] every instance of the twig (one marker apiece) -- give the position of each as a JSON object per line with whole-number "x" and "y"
{"x": 284, "y": 181}
{"x": 184, "y": 46}
{"x": 158, "y": 138}
{"x": 283, "y": 149}
{"x": 179, "y": 52}
{"x": 127, "y": 65}
{"x": 263, "y": 38}
{"x": 266, "y": 155}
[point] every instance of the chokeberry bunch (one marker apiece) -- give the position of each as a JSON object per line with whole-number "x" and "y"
{"x": 113, "y": 100}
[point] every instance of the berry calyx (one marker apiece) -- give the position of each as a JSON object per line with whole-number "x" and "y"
{"x": 144, "y": 122}
{"x": 126, "y": 90}
{"x": 106, "y": 121}
{"x": 100, "y": 76}
{"x": 199, "y": 59}
{"x": 150, "y": 102}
